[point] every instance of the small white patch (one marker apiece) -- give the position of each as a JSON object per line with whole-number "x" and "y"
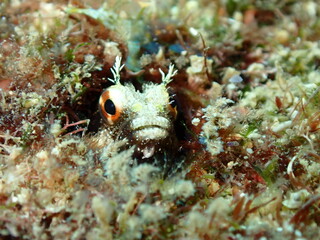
{"x": 195, "y": 121}
{"x": 235, "y": 79}
{"x": 278, "y": 127}
{"x": 148, "y": 152}
{"x": 249, "y": 150}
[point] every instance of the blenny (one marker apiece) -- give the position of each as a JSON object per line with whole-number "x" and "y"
{"x": 146, "y": 118}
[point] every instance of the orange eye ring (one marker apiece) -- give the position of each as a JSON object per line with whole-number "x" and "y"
{"x": 108, "y": 108}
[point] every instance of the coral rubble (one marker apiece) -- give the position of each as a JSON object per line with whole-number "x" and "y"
{"x": 246, "y": 161}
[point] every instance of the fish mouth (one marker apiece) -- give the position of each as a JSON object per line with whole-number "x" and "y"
{"x": 150, "y": 129}
{"x": 150, "y": 133}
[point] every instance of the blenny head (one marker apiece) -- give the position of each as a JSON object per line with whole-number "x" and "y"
{"x": 145, "y": 118}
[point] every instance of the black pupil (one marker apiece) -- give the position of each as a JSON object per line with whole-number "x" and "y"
{"x": 110, "y": 107}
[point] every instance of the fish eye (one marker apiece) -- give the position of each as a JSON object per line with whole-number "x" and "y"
{"x": 172, "y": 101}
{"x": 109, "y": 107}
{"x": 173, "y": 105}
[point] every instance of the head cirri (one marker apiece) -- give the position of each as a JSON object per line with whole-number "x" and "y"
{"x": 144, "y": 118}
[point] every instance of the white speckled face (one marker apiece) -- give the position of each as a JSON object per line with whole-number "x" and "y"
{"x": 139, "y": 116}
{"x": 144, "y": 118}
